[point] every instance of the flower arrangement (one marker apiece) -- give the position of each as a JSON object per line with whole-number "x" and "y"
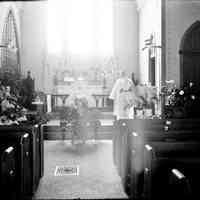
{"x": 142, "y": 99}
{"x": 183, "y": 102}
{"x": 12, "y": 113}
{"x": 76, "y": 107}
{"x": 147, "y": 96}
{"x": 76, "y": 114}
{"x": 12, "y": 110}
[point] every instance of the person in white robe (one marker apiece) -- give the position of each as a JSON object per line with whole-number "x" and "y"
{"x": 124, "y": 97}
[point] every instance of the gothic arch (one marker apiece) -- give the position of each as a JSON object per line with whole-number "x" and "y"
{"x": 190, "y": 54}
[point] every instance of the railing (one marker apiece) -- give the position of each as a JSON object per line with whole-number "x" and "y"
{"x": 102, "y": 101}
{"x": 58, "y": 100}
{"x": 53, "y": 103}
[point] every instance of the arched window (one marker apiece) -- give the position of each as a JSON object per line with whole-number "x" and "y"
{"x": 9, "y": 45}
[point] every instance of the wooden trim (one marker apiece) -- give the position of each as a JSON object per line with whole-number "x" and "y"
{"x": 181, "y": 70}
{"x": 189, "y": 52}
{"x": 163, "y": 41}
{"x": 163, "y": 52}
{"x": 183, "y": 1}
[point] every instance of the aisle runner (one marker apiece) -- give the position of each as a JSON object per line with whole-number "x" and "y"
{"x": 97, "y": 179}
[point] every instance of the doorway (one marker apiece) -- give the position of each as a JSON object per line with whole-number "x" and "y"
{"x": 190, "y": 55}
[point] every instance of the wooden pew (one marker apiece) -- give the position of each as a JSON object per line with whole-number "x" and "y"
{"x": 180, "y": 124}
{"x": 179, "y": 185}
{"x": 158, "y": 124}
{"x": 136, "y": 166}
{"x": 21, "y": 142}
{"x": 8, "y": 172}
{"x": 36, "y": 152}
{"x": 149, "y": 130}
{"x": 119, "y": 143}
{"x": 41, "y": 148}
{"x": 122, "y": 147}
{"x": 160, "y": 158}
{"x": 116, "y": 144}
{"x": 158, "y": 130}
{"x": 87, "y": 129}
{"x": 137, "y": 158}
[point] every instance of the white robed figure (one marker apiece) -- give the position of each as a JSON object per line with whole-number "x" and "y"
{"x": 124, "y": 97}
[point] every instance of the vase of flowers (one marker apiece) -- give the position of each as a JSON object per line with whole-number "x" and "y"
{"x": 147, "y": 98}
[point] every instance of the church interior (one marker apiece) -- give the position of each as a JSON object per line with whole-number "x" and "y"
{"x": 99, "y": 99}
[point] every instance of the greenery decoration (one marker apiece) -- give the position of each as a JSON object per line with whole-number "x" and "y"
{"x": 182, "y": 102}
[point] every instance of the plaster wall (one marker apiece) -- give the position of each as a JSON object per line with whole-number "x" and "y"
{"x": 33, "y": 41}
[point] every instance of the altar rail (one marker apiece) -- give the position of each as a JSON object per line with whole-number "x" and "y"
{"x": 102, "y": 101}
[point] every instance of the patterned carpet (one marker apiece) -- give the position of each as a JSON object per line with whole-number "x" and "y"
{"x": 97, "y": 179}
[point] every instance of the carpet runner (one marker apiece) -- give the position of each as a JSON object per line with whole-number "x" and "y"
{"x": 97, "y": 179}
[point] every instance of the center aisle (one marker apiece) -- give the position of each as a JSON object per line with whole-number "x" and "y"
{"x": 97, "y": 177}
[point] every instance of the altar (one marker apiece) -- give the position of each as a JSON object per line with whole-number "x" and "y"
{"x": 82, "y": 88}
{"x": 97, "y": 94}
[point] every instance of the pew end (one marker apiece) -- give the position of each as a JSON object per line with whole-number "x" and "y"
{"x": 179, "y": 184}
{"x": 154, "y": 147}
